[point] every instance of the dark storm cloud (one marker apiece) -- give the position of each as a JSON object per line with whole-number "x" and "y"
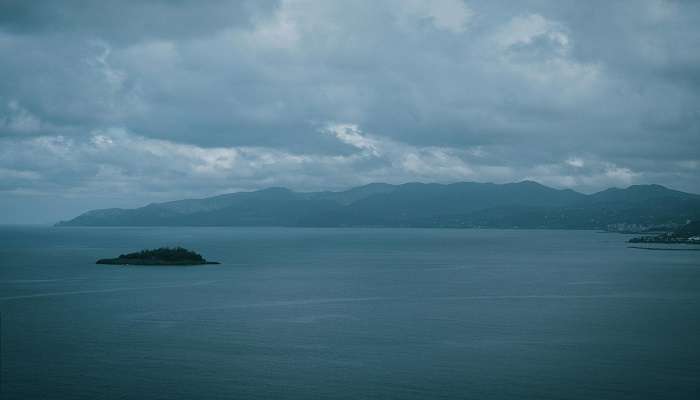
{"x": 128, "y": 21}
{"x": 130, "y": 102}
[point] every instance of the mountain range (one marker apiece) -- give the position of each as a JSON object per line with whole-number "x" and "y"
{"x": 524, "y": 204}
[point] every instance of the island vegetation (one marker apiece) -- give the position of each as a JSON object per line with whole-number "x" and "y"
{"x": 160, "y": 256}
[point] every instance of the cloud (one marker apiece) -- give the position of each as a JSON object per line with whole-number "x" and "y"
{"x": 19, "y": 120}
{"x": 318, "y": 94}
{"x": 129, "y": 21}
{"x": 119, "y": 163}
{"x": 585, "y": 175}
{"x": 528, "y": 29}
{"x": 350, "y": 134}
{"x": 449, "y": 15}
{"x": 575, "y": 162}
{"x": 134, "y": 163}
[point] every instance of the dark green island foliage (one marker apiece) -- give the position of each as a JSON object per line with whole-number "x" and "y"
{"x": 160, "y": 256}
{"x": 687, "y": 234}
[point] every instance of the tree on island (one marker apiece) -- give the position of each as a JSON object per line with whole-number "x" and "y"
{"x": 165, "y": 253}
{"x": 160, "y": 256}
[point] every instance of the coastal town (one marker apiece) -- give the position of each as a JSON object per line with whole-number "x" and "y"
{"x": 687, "y": 234}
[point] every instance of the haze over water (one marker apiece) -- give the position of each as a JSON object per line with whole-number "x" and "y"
{"x": 347, "y": 314}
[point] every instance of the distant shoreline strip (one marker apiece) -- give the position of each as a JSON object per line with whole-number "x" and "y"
{"x": 660, "y": 248}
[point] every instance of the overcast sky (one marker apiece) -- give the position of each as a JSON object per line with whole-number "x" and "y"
{"x": 122, "y": 103}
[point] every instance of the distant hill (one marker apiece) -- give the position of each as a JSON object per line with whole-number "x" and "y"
{"x": 459, "y": 205}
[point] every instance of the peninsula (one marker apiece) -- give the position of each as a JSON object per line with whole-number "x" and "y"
{"x": 160, "y": 256}
{"x": 687, "y": 234}
{"x": 522, "y": 205}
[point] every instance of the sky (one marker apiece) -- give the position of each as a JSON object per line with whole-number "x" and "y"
{"x": 122, "y": 103}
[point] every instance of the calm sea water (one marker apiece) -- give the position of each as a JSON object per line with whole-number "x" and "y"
{"x": 347, "y": 314}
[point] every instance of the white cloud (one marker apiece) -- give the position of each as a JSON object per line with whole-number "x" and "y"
{"x": 575, "y": 162}
{"x": 622, "y": 175}
{"x": 538, "y": 51}
{"x": 587, "y": 175}
{"x": 19, "y": 120}
{"x": 110, "y": 87}
{"x": 280, "y": 30}
{"x": 526, "y": 29}
{"x": 115, "y": 160}
{"x": 350, "y": 134}
{"x": 114, "y": 77}
{"x": 448, "y": 15}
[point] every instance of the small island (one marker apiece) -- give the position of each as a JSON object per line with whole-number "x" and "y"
{"x": 160, "y": 256}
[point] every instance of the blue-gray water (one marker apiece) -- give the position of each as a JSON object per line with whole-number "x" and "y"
{"x": 347, "y": 314}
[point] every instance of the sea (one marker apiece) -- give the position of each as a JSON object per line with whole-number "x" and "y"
{"x": 295, "y": 313}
